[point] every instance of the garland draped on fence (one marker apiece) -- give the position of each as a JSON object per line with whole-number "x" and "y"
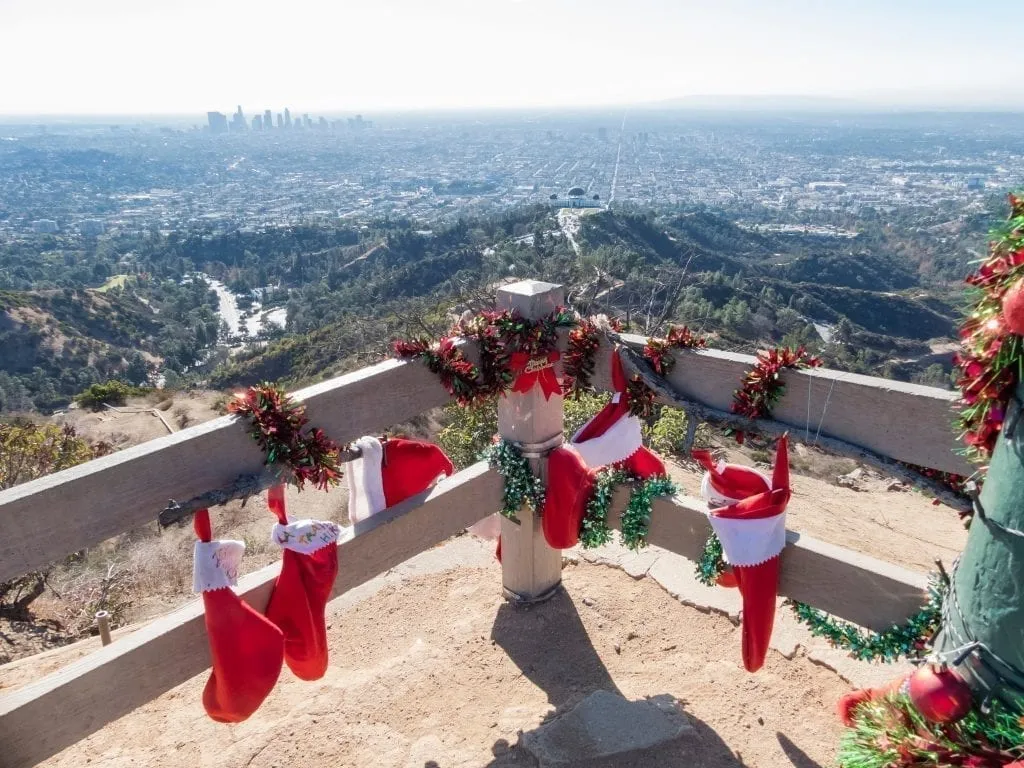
{"x": 523, "y": 487}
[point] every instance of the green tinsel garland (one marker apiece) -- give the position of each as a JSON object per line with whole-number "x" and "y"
{"x": 891, "y": 733}
{"x": 521, "y": 485}
{"x": 595, "y": 531}
{"x": 910, "y": 640}
{"x": 711, "y": 564}
{"x": 637, "y": 517}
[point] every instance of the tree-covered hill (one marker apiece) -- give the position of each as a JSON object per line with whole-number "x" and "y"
{"x": 81, "y": 311}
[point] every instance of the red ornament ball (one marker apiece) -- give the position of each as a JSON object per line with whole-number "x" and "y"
{"x": 940, "y": 694}
{"x": 1013, "y": 308}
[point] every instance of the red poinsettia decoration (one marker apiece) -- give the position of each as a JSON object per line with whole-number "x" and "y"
{"x": 658, "y": 352}
{"x": 763, "y": 386}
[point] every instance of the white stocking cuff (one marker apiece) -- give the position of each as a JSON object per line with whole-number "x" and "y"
{"x": 751, "y": 541}
{"x": 305, "y": 536}
{"x": 216, "y": 564}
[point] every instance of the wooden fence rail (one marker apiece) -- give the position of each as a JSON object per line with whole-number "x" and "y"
{"x": 869, "y": 592}
{"x": 91, "y": 692}
{"x": 906, "y": 422}
{"x": 47, "y": 519}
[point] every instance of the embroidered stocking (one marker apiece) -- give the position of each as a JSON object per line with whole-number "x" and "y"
{"x": 247, "y": 649}
{"x": 309, "y": 566}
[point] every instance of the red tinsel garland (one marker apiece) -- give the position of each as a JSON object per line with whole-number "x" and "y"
{"x": 278, "y": 424}
{"x": 763, "y": 386}
{"x": 658, "y": 352}
{"x": 578, "y": 360}
{"x": 992, "y": 358}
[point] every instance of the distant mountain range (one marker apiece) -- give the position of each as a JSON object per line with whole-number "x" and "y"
{"x": 893, "y": 101}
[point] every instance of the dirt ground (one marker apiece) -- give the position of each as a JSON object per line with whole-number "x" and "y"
{"x": 440, "y": 672}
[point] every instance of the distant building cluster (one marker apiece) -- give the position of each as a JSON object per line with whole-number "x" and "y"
{"x": 219, "y": 123}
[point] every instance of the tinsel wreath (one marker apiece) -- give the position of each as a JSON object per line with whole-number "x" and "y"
{"x": 521, "y": 485}
{"x": 891, "y": 733}
{"x": 502, "y": 338}
{"x": 579, "y": 360}
{"x": 594, "y": 531}
{"x": 762, "y": 385}
{"x": 991, "y": 362}
{"x": 280, "y": 427}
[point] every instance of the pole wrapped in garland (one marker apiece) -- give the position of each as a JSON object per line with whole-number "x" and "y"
{"x": 977, "y": 649}
{"x": 992, "y": 360}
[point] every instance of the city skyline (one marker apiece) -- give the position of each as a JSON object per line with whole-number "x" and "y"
{"x": 397, "y": 55}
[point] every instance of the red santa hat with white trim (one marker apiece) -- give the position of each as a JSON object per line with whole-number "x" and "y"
{"x": 613, "y": 436}
{"x": 748, "y": 514}
{"x": 389, "y": 471}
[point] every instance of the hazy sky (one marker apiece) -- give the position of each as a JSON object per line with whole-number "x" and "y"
{"x": 190, "y": 56}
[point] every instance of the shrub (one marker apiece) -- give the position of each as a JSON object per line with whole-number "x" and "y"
{"x": 112, "y": 392}
{"x": 28, "y": 451}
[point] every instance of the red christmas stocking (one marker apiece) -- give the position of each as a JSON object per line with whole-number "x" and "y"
{"x": 308, "y": 569}
{"x": 390, "y": 471}
{"x": 247, "y": 649}
{"x": 750, "y": 521}
{"x": 570, "y": 484}
{"x": 614, "y": 436}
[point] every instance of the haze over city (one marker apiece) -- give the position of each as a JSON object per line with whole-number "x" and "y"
{"x": 120, "y": 57}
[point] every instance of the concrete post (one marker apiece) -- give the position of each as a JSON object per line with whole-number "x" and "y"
{"x": 530, "y": 569}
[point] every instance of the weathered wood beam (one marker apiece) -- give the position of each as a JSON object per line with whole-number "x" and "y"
{"x": 906, "y": 422}
{"x": 47, "y": 519}
{"x": 109, "y": 683}
{"x": 634, "y": 365}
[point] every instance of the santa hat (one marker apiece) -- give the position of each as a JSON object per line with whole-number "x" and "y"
{"x": 298, "y": 603}
{"x": 613, "y": 436}
{"x": 247, "y": 649}
{"x": 390, "y": 471}
{"x": 748, "y": 514}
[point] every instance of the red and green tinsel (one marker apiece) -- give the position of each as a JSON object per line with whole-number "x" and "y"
{"x": 762, "y": 385}
{"x": 578, "y": 362}
{"x": 658, "y": 352}
{"x": 991, "y": 362}
{"x": 280, "y": 427}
